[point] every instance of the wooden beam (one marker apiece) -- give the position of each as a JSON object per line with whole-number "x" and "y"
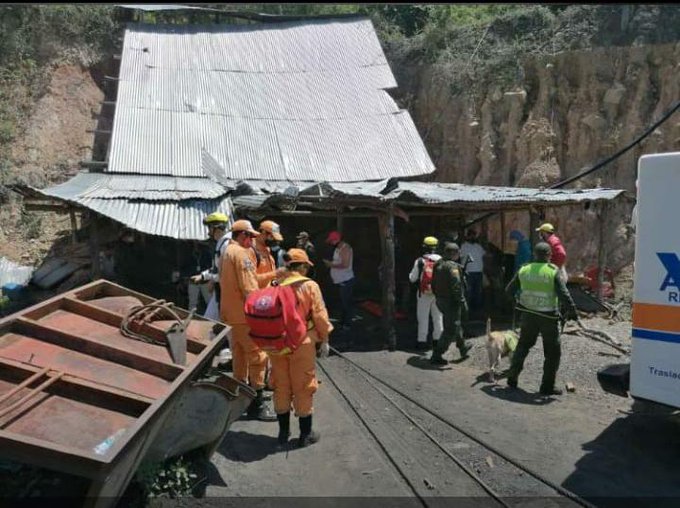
{"x": 503, "y": 232}
{"x": 75, "y": 342}
{"x": 338, "y": 219}
{"x": 74, "y": 226}
{"x": 602, "y": 249}
{"x": 388, "y": 285}
{"x": 94, "y": 164}
{"x": 94, "y": 247}
{"x": 533, "y": 224}
{"x": 97, "y": 131}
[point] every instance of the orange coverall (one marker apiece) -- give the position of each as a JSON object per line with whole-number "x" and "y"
{"x": 294, "y": 375}
{"x": 265, "y": 272}
{"x": 237, "y": 280}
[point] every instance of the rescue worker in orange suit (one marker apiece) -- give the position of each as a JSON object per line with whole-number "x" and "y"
{"x": 265, "y": 269}
{"x": 295, "y": 373}
{"x": 265, "y": 265}
{"x": 237, "y": 281}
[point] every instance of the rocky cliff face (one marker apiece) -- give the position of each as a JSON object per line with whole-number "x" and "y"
{"x": 571, "y": 111}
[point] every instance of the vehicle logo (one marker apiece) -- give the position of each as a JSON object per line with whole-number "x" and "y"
{"x": 671, "y": 263}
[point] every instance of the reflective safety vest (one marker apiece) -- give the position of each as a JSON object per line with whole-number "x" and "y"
{"x": 537, "y": 282}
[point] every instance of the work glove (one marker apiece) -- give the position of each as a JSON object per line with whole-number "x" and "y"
{"x": 323, "y": 350}
{"x": 571, "y": 315}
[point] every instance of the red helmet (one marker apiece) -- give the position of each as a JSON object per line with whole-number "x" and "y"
{"x": 334, "y": 237}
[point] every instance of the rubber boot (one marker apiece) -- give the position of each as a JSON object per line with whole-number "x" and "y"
{"x": 284, "y": 427}
{"x": 307, "y": 435}
{"x": 258, "y": 410}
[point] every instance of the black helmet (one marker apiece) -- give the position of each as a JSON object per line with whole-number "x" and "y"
{"x": 542, "y": 250}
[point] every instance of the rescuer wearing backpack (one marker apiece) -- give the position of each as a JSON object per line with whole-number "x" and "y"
{"x": 421, "y": 274}
{"x": 448, "y": 289}
{"x": 289, "y": 321}
{"x": 238, "y": 280}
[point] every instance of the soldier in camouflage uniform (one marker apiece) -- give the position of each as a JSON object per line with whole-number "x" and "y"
{"x": 448, "y": 290}
{"x": 541, "y": 290}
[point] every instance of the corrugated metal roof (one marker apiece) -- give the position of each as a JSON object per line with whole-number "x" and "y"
{"x": 445, "y": 193}
{"x": 182, "y": 220}
{"x": 301, "y": 100}
{"x": 151, "y": 188}
{"x": 414, "y": 193}
{"x": 163, "y": 7}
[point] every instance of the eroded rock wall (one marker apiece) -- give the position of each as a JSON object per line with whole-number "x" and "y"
{"x": 571, "y": 111}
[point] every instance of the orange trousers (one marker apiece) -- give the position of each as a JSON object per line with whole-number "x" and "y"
{"x": 294, "y": 379}
{"x": 248, "y": 360}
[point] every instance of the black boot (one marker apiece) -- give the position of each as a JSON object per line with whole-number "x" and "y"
{"x": 284, "y": 427}
{"x": 258, "y": 410}
{"x": 307, "y": 435}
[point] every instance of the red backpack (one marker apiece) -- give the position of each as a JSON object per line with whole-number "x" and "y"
{"x": 426, "y": 274}
{"x": 272, "y": 314}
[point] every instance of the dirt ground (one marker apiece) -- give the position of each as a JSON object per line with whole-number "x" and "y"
{"x": 589, "y": 442}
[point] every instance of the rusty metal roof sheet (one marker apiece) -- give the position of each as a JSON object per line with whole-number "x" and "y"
{"x": 146, "y": 187}
{"x": 299, "y": 100}
{"x": 448, "y": 193}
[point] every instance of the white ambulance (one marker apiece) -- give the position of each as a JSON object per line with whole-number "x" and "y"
{"x": 655, "y": 357}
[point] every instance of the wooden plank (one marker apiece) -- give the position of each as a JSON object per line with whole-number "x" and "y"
{"x": 113, "y": 319}
{"x": 389, "y": 287}
{"x": 602, "y": 250}
{"x": 75, "y": 342}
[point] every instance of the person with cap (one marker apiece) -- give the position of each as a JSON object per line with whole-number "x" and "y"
{"x": 294, "y": 374}
{"x": 265, "y": 265}
{"x": 421, "y": 274}
{"x": 558, "y": 256}
{"x": 217, "y": 230}
{"x": 450, "y": 299}
{"x": 472, "y": 253}
{"x": 541, "y": 289}
{"x": 304, "y": 243}
{"x": 342, "y": 275}
{"x": 199, "y": 259}
{"x": 523, "y": 250}
{"x": 238, "y": 279}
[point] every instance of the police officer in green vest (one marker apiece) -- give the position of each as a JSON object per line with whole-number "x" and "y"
{"x": 541, "y": 290}
{"x": 450, "y": 299}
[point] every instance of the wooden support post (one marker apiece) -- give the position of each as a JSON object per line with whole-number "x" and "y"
{"x": 388, "y": 286}
{"x": 503, "y": 240}
{"x": 602, "y": 250}
{"x": 94, "y": 246}
{"x": 338, "y": 220}
{"x": 534, "y": 220}
{"x": 74, "y": 225}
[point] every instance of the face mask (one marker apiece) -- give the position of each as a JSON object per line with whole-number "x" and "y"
{"x": 270, "y": 242}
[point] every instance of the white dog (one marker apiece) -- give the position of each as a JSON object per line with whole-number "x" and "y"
{"x": 499, "y": 345}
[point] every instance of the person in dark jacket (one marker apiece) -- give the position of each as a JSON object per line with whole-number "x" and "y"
{"x": 448, "y": 290}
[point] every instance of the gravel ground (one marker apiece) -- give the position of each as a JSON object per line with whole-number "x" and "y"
{"x": 581, "y": 357}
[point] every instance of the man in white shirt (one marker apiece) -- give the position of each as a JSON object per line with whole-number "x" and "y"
{"x": 342, "y": 275}
{"x": 421, "y": 273}
{"x": 471, "y": 257}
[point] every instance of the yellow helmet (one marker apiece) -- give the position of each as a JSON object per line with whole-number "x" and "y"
{"x": 546, "y": 228}
{"x": 216, "y": 218}
{"x": 430, "y": 241}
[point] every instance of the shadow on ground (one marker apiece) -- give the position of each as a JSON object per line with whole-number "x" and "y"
{"x": 517, "y": 395}
{"x": 636, "y": 457}
{"x": 241, "y": 446}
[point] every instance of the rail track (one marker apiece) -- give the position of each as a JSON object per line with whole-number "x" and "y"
{"x": 433, "y": 455}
